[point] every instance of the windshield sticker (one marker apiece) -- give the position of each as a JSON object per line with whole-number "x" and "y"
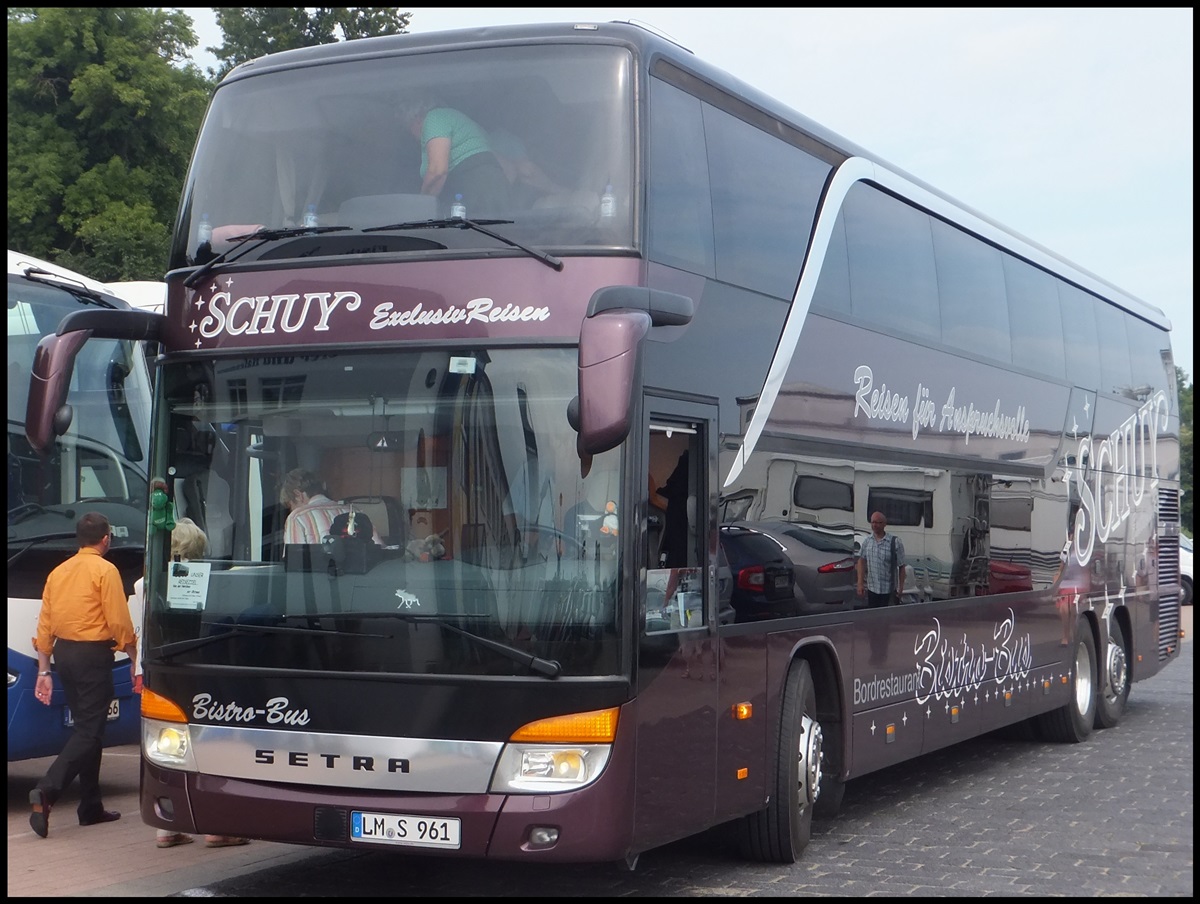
{"x": 187, "y": 584}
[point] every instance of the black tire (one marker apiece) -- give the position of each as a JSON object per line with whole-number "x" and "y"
{"x": 1185, "y": 590}
{"x": 1072, "y": 722}
{"x": 780, "y": 833}
{"x": 1113, "y": 687}
{"x": 833, "y": 789}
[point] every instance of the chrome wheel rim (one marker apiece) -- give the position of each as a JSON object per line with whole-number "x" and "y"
{"x": 1083, "y": 679}
{"x": 1117, "y": 677}
{"x": 811, "y": 740}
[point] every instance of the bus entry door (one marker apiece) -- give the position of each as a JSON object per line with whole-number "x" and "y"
{"x": 677, "y": 659}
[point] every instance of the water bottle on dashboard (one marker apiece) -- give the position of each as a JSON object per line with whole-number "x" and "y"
{"x": 310, "y": 217}
{"x": 608, "y": 203}
{"x": 458, "y": 209}
{"x": 204, "y": 231}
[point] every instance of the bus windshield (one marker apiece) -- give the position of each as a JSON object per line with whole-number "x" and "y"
{"x": 457, "y": 535}
{"x": 335, "y": 146}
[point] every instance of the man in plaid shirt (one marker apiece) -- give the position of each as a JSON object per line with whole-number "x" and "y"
{"x": 312, "y": 512}
{"x": 881, "y": 564}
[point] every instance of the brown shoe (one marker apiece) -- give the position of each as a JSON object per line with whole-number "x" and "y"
{"x": 168, "y": 841}
{"x": 215, "y": 841}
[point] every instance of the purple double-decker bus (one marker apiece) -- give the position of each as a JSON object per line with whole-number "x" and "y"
{"x": 606, "y": 439}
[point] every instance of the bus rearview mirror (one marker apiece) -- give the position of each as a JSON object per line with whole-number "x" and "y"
{"x": 610, "y": 342}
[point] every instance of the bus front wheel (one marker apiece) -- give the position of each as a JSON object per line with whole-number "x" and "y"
{"x": 1072, "y": 722}
{"x": 782, "y": 831}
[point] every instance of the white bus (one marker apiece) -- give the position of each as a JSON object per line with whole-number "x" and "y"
{"x": 97, "y": 463}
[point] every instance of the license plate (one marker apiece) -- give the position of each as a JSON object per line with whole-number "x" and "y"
{"x": 781, "y": 581}
{"x": 114, "y": 713}
{"x": 405, "y": 829}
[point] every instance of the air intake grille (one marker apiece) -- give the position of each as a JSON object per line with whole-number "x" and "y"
{"x": 1168, "y": 572}
{"x": 331, "y": 824}
{"x": 1168, "y": 506}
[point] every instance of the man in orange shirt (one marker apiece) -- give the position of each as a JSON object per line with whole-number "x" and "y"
{"x": 84, "y": 616}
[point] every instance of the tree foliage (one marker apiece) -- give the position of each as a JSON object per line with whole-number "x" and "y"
{"x": 251, "y": 32}
{"x": 103, "y": 110}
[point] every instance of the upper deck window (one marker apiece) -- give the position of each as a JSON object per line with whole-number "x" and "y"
{"x": 725, "y": 198}
{"x": 334, "y": 141}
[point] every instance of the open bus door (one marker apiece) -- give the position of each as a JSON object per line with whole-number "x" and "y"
{"x": 677, "y": 660}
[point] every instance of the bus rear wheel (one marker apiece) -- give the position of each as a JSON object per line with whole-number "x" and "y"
{"x": 1114, "y": 680}
{"x": 782, "y": 831}
{"x": 1072, "y": 722}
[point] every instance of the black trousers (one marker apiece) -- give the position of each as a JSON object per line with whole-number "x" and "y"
{"x": 878, "y": 600}
{"x": 481, "y": 181}
{"x": 85, "y": 670}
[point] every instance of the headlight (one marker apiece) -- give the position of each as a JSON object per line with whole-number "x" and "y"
{"x": 546, "y": 768}
{"x": 168, "y": 744}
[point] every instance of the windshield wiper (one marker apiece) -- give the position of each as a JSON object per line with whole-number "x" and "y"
{"x": 78, "y": 289}
{"x": 479, "y": 226}
{"x": 37, "y": 541}
{"x": 260, "y": 237}
{"x": 551, "y": 668}
{"x": 27, "y": 510}
{"x": 238, "y": 630}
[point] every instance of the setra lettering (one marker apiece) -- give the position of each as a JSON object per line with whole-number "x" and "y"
{"x": 307, "y": 759}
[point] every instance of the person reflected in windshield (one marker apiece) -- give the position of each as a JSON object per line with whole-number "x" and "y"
{"x": 456, "y": 158}
{"x": 312, "y": 512}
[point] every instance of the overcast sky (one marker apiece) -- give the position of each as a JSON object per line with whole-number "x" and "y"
{"x": 1071, "y": 127}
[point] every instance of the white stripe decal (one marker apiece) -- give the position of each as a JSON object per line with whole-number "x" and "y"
{"x": 853, "y": 170}
{"x": 859, "y": 169}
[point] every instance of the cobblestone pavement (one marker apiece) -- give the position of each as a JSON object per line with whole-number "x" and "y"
{"x": 990, "y": 817}
{"x": 1112, "y": 816}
